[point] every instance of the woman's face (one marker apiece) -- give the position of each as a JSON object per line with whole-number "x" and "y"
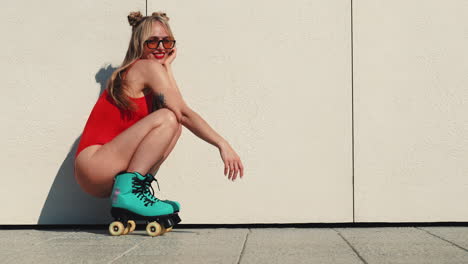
{"x": 159, "y": 54}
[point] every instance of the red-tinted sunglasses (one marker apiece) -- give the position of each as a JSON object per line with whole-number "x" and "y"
{"x": 153, "y": 43}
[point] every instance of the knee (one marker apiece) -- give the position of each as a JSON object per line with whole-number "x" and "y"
{"x": 179, "y": 129}
{"x": 170, "y": 119}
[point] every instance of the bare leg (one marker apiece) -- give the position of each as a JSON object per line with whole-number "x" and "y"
{"x": 152, "y": 148}
{"x": 97, "y": 165}
{"x": 156, "y": 166}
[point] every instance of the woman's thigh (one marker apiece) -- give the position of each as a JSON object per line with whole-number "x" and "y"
{"x": 97, "y": 165}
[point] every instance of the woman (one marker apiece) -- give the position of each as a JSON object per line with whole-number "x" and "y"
{"x": 123, "y": 133}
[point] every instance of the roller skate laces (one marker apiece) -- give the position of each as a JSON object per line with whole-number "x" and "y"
{"x": 140, "y": 188}
{"x": 149, "y": 179}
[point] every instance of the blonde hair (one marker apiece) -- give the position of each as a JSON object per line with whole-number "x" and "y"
{"x": 141, "y": 31}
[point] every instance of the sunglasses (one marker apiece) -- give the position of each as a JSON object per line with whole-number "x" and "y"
{"x": 153, "y": 43}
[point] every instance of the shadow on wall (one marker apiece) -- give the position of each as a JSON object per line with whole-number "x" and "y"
{"x": 66, "y": 202}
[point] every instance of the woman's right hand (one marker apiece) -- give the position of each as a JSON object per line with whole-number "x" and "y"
{"x": 170, "y": 57}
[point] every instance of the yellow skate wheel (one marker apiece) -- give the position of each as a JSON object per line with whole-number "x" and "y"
{"x": 153, "y": 229}
{"x": 132, "y": 225}
{"x": 126, "y": 230}
{"x": 116, "y": 228}
{"x": 163, "y": 230}
{"x": 169, "y": 229}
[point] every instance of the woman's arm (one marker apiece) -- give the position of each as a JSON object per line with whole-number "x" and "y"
{"x": 156, "y": 77}
{"x": 232, "y": 163}
{"x": 194, "y": 122}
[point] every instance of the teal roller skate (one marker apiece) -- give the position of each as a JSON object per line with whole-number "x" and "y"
{"x": 175, "y": 205}
{"x": 150, "y": 178}
{"x": 131, "y": 199}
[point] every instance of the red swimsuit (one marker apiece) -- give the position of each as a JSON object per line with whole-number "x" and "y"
{"x": 106, "y": 120}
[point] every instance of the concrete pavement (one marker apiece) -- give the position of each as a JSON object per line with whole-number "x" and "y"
{"x": 239, "y": 245}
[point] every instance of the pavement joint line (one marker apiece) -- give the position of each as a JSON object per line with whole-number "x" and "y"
{"x": 128, "y": 250}
{"x": 243, "y": 246}
{"x": 351, "y": 246}
{"x": 452, "y": 243}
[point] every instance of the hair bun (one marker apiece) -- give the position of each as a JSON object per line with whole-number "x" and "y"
{"x": 161, "y": 14}
{"x": 134, "y": 18}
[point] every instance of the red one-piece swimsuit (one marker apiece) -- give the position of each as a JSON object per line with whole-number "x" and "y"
{"x": 106, "y": 120}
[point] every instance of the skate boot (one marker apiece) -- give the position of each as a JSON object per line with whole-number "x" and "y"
{"x": 130, "y": 200}
{"x": 150, "y": 178}
{"x": 175, "y": 205}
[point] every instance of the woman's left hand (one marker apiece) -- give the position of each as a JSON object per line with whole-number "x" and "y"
{"x": 232, "y": 163}
{"x": 170, "y": 57}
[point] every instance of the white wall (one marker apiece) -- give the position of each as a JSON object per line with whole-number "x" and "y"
{"x": 411, "y": 105}
{"x": 268, "y": 82}
{"x": 276, "y": 82}
{"x": 54, "y": 58}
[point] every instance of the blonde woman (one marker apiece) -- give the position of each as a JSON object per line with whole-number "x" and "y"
{"x": 138, "y": 119}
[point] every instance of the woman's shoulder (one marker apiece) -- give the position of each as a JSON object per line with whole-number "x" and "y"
{"x": 146, "y": 66}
